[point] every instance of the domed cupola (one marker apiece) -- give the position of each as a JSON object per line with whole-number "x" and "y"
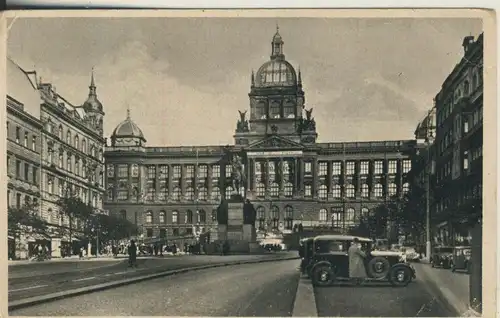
{"x": 127, "y": 133}
{"x": 277, "y": 72}
{"x": 92, "y": 104}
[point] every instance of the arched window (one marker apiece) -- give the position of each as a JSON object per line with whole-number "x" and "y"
{"x": 68, "y": 137}
{"x": 176, "y": 194}
{"x": 323, "y": 215}
{"x": 275, "y": 216}
{"x": 61, "y": 159}
{"x": 364, "y": 212}
{"x": 474, "y": 81}
{"x": 123, "y": 214}
{"x": 365, "y": 191}
{"x": 229, "y": 190}
{"x": 466, "y": 88}
{"x": 163, "y": 193}
{"x": 175, "y": 217}
{"x": 110, "y": 193}
{"x": 288, "y": 190}
{"x": 378, "y": 190}
{"x": 49, "y": 216}
{"x": 202, "y": 194}
{"x": 216, "y": 193}
{"x": 100, "y": 154}
{"x": 275, "y": 110}
{"x": 275, "y": 189}
{"x": 202, "y": 216}
{"x": 84, "y": 146}
{"x": 92, "y": 151}
{"x": 189, "y": 194}
{"x": 288, "y": 217}
{"x": 68, "y": 165}
{"x": 61, "y": 132}
{"x": 77, "y": 142}
{"x": 392, "y": 189}
{"x": 261, "y": 189}
{"x": 162, "y": 217}
{"x": 322, "y": 192}
{"x": 337, "y": 191}
{"x": 350, "y": 191}
{"x": 336, "y": 219}
{"x": 84, "y": 169}
{"x": 77, "y": 166}
{"x": 149, "y": 217}
{"x": 261, "y": 218}
{"x": 350, "y": 217}
{"x": 189, "y": 217}
{"x": 406, "y": 187}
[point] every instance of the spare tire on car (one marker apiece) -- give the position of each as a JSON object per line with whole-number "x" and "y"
{"x": 323, "y": 275}
{"x": 378, "y": 267}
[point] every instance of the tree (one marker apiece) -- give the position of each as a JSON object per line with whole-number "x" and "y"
{"x": 25, "y": 220}
{"x": 412, "y": 215}
{"x": 109, "y": 228}
{"x": 362, "y": 228}
{"x": 74, "y": 209}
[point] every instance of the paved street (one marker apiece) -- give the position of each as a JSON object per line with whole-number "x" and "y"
{"x": 265, "y": 289}
{"x": 41, "y": 279}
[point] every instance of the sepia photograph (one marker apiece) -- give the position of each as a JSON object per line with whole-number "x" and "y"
{"x": 184, "y": 164}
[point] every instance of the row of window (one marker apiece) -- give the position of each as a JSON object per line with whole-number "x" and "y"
{"x": 273, "y": 111}
{"x": 19, "y": 203}
{"x": 74, "y": 165}
{"x": 474, "y": 119}
{"x": 26, "y": 141}
{"x": 462, "y": 90}
{"x": 162, "y": 172}
{"x": 74, "y": 141}
{"x": 25, "y": 172}
{"x": 66, "y": 188}
{"x": 201, "y": 217}
{"x": 472, "y": 192}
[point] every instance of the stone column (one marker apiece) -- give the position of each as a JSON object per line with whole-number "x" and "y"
{"x": 301, "y": 174}
{"x": 209, "y": 180}
{"x": 248, "y": 174}
{"x": 282, "y": 179}
{"x": 314, "y": 170}
{"x": 371, "y": 176}
{"x": 296, "y": 176}
{"x": 195, "y": 186}
{"x": 357, "y": 175}
{"x": 329, "y": 178}
{"x": 252, "y": 175}
{"x": 129, "y": 187}
{"x": 183, "y": 182}
{"x": 268, "y": 180}
{"x": 169, "y": 182}
{"x": 157, "y": 182}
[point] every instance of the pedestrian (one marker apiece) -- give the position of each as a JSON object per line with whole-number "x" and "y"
{"x": 174, "y": 249}
{"x": 132, "y": 254}
{"x": 357, "y": 270}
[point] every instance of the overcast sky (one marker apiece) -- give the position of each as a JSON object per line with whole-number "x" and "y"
{"x": 185, "y": 79}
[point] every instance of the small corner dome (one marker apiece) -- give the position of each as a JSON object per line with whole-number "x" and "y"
{"x": 92, "y": 104}
{"x": 127, "y": 129}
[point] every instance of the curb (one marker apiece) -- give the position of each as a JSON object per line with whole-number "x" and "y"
{"x": 27, "y": 302}
{"x": 446, "y": 297}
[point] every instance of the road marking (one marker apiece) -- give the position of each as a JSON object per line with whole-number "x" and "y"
{"x": 305, "y": 302}
{"x": 82, "y": 279}
{"x": 119, "y": 273}
{"x": 27, "y": 288}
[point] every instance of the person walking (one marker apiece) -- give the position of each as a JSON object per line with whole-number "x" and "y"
{"x": 357, "y": 270}
{"x": 132, "y": 254}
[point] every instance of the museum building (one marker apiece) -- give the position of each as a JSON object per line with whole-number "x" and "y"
{"x": 288, "y": 176}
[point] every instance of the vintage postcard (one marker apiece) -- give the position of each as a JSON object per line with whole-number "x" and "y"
{"x": 250, "y": 163}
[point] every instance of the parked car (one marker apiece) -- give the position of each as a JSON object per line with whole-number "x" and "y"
{"x": 461, "y": 258}
{"x": 330, "y": 262}
{"x": 442, "y": 256}
{"x": 411, "y": 254}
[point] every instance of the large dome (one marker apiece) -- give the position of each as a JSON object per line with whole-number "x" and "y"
{"x": 276, "y": 73}
{"x": 127, "y": 129}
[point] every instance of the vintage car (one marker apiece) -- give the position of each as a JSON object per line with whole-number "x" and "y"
{"x": 330, "y": 262}
{"x": 461, "y": 259}
{"x": 441, "y": 256}
{"x": 411, "y": 254}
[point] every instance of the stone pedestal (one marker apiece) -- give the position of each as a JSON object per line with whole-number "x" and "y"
{"x": 249, "y": 233}
{"x": 222, "y": 232}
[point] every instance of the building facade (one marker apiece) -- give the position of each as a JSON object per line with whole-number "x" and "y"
{"x": 459, "y": 140}
{"x": 72, "y": 156}
{"x": 23, "y": 148}
{"x": 288, "y": 175}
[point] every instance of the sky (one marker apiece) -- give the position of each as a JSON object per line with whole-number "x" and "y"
{"x": 184, "y": 79}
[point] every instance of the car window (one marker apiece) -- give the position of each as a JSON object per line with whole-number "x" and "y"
{"x": 330, "y": 246}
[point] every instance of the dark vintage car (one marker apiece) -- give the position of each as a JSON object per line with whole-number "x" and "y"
{"x": 330, "y": 262}
{"x": 461, "y": 258}
{"x": 442, "y": 256}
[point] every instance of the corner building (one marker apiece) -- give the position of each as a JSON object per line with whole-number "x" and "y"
{"x": 290, "y": 178}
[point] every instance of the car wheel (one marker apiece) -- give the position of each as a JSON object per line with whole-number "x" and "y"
{"x": 378, "y": 267}
{"x": 323, "y": 275}
{"x": 400, "y": 276}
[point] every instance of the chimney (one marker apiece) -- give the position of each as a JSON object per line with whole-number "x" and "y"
{"x": 468, "y": 41}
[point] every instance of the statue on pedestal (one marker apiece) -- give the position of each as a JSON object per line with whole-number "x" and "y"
{"x": 242, "y": 125}
{"x": 237, "y": 174}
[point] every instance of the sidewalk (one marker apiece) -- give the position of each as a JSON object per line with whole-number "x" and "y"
{"x": 66, "y": 259}
{"x": 452, "y": 287}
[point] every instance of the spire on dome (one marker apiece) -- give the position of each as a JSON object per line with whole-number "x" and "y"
{"x": 253, "y": 78}
{"x": 300, "y": 77}
{"x": 92, "y": 87}
{"x": 128, "y": 112}
{"x": 277, "y": 45}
